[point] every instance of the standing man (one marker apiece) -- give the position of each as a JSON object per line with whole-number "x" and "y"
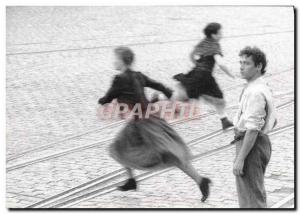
{"x": 254, "y": 119}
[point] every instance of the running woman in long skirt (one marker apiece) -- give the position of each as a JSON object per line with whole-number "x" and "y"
{"x": 146, "y": 143}
{"x": 199, "y": 82}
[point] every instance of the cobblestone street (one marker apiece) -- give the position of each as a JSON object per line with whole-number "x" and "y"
{"x": 59, "y": 62}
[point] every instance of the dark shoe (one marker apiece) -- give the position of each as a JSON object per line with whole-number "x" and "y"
{"x": 178, "y": 76}
{"x": 204, "y": 188}
{"x": 226, "y": 123}
{"x": 129, "y": 185}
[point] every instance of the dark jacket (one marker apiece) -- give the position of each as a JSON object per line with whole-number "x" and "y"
{"x": 128, "y": 88}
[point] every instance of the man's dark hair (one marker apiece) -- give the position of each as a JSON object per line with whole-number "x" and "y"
{"x": 257, "y": 55}
{"x": 126, "y": 54}
{"x": 211, "y": 28}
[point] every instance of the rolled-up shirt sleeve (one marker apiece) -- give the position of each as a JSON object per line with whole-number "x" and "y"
{"x": 255, "y": 113}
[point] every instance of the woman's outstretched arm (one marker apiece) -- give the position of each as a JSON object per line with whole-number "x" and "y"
{"x": 157, "y": 86}
{"x": 113, "y": 92}
{"x": 222, "y": 64}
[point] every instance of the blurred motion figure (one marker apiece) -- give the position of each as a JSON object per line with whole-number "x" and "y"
{"x": 146, "y": 143}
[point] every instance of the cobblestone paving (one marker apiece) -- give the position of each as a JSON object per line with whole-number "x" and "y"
{"x": 45, "y": 179}
{"x": 53, "y": 95}
{"x": 59, "y": 64}
{"x": 175, "y": 189}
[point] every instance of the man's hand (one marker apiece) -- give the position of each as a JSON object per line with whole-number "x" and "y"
{"x": 247, "y": 145}
{"x": 238, "y": 167}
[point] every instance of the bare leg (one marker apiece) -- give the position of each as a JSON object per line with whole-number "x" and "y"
{"x": 186, "y": 167}
{"x": 218, "y": 103}
{"x": 201, "y": 181}
{"x": 130, "y": 173}
{"x": 190, "y": 171}
{"x": 179, "y": 93}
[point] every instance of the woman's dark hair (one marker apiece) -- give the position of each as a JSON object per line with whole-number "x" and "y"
{"x": 258, "y": 57}
{"x": 212, "y": 28}
{"x": 126, "y": 54}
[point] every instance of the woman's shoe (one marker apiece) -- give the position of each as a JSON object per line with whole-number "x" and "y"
{"x": 129, "y": 185}
{"x": 204, "y": 188}
{"x": 178, "y": 76}
{"x": 226, "y": 123}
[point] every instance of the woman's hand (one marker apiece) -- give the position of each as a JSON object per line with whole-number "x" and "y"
{"x": 101, "y": 101}
{"x": 193, "y": 56}
{"x": 99, "y": 111}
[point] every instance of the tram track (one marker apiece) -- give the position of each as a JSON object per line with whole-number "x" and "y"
{"x": 93, "y": 145}
{"x": 118, "y": 123}
{"x": 109, "y": 182}
{"x": 139, "y": 44}
{"x": 284, "y": 202}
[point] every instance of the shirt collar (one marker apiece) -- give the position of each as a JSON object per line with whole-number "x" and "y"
{"x": 259, "y": 80}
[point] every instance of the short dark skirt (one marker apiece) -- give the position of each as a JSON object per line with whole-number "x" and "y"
{"x": 149, "y": 144}
{"x": 199, "y": 81}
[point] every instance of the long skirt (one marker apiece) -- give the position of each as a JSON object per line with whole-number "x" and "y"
{"x": 149, "y": 143}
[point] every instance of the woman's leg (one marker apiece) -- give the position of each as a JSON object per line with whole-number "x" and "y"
{"x": 190, "y": 171}
{"x": 179, "y": 94}
{"x": 130, "y": 183}
{"x": 219, "y": 104}
{"x": 201, "y": 181}
{"x": 129, "y": 172}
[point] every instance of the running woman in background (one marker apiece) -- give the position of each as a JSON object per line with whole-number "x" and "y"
{"x": 199, "y": 82}
{"x": 146, "y": 143}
